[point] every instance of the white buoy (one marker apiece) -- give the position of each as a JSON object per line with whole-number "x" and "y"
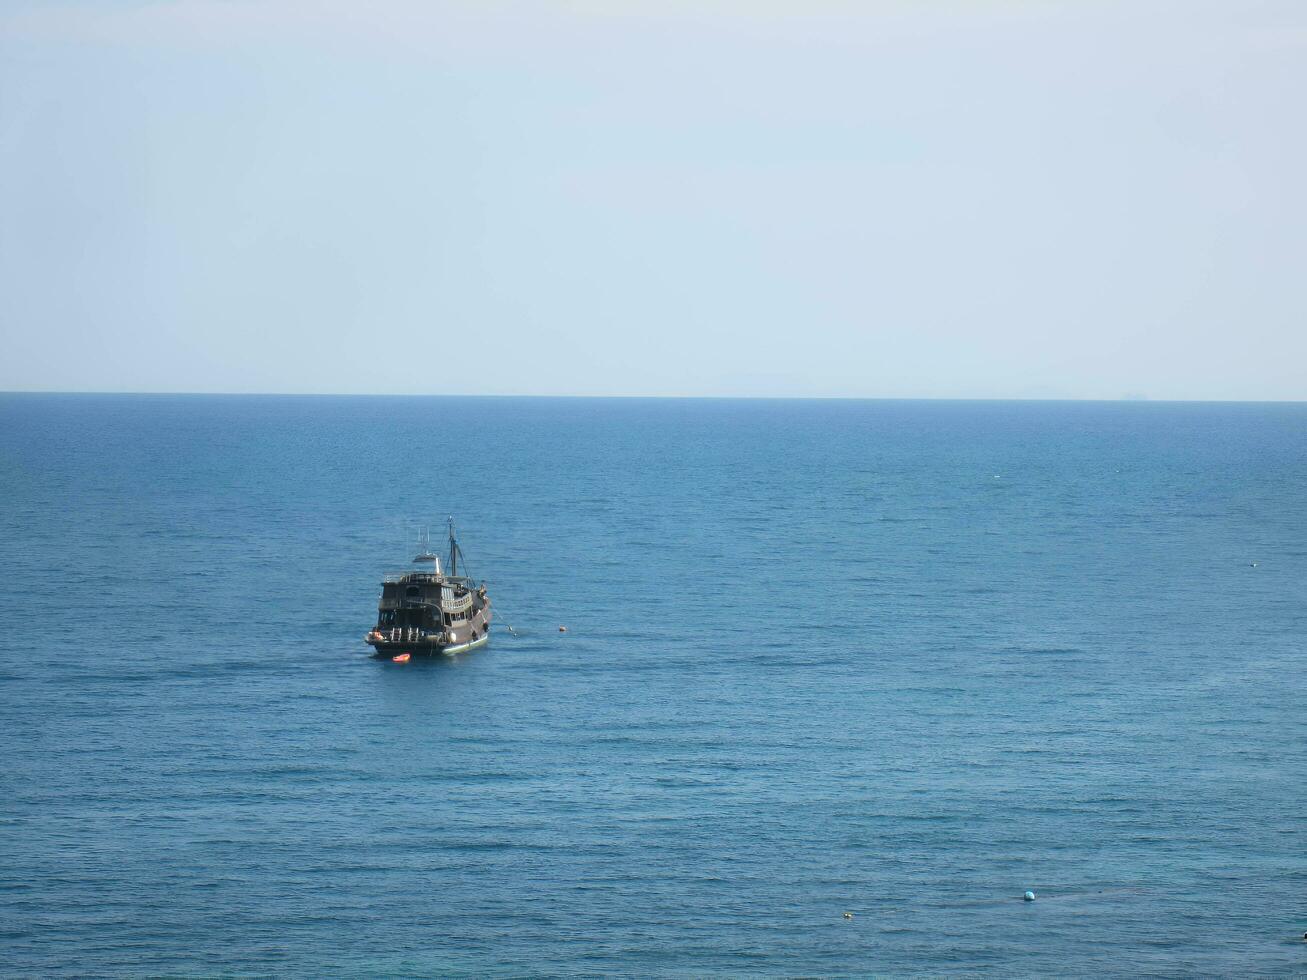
{"x": 1029, "y": 896}
{"x": 848, "y": 915}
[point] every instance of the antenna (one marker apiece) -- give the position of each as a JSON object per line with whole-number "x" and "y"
{"x": 424, "y": 542}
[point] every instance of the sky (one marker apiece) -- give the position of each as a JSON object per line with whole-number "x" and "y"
{"x": 893, "y": 199}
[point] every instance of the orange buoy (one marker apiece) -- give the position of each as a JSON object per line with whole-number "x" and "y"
{"x": 401, "y": 658}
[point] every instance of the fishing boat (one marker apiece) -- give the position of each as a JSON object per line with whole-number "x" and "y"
{"x": 431, "y": 611}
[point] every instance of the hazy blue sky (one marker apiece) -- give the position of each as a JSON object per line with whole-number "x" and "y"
{"x": 917, "y": 198}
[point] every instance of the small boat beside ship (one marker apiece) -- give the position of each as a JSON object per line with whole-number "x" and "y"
{"x": 434, "y": 610}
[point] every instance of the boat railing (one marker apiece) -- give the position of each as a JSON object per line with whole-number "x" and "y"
{"x": 412, "y": 602}
{"x": 404, "y": 634}
{"x": 397, "y": 578}
{"x": 456, "y": 605}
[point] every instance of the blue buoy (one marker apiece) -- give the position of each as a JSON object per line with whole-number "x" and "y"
{"x": 1029, "y": 896}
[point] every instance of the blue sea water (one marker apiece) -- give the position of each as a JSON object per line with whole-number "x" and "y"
{"x": 901, "y": 659}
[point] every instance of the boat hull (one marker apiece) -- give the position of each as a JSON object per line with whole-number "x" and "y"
{"x": 419, "y": 649}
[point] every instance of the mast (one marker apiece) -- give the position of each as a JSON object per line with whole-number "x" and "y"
{"x": 453, "y": 550}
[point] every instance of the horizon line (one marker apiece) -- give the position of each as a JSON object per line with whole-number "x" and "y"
{"x": 1141, "y": 399}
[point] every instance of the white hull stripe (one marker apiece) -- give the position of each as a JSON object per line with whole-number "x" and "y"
{"x": 467, "y": 646}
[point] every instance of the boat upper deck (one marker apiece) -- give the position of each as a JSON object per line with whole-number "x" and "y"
{"x": 426, "y": 578}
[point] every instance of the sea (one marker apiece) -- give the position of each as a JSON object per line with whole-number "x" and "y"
{"x": 840, "y": 682}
